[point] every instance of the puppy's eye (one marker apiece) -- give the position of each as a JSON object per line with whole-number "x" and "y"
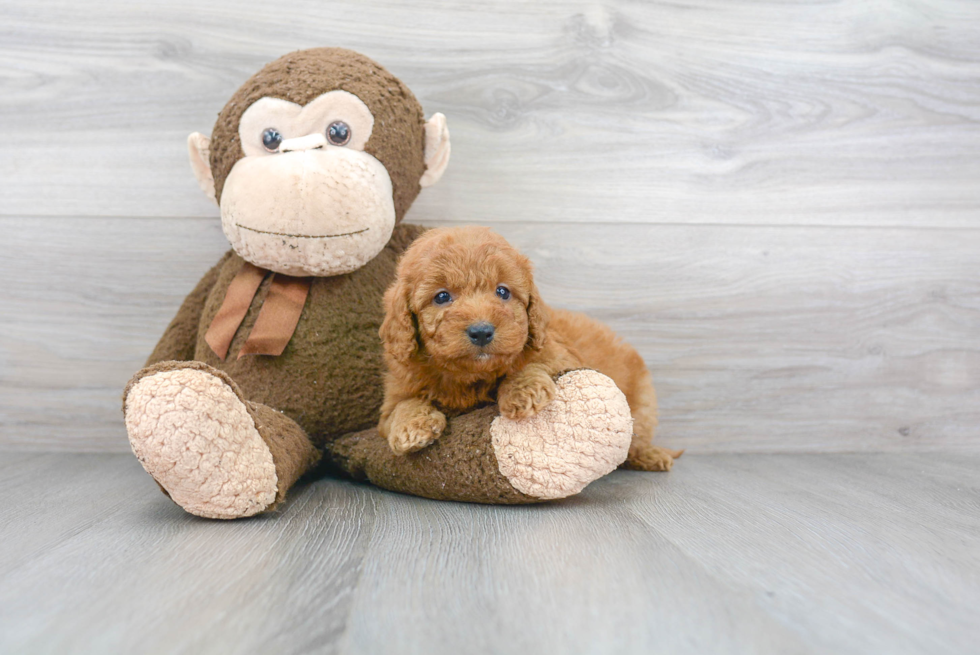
{"x": 442, "y": 298}
{"x": 503, "y": 292}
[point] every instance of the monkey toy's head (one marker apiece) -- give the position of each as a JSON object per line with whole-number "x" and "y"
{"x": 315, "y": 159}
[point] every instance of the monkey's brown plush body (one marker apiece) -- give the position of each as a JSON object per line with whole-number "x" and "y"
{"x": 226, "y": 437}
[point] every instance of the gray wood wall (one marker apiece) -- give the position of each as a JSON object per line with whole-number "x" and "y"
{"x": 778, "y": 203}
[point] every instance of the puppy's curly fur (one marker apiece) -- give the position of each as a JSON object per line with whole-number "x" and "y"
{"x": 465, "y": 326}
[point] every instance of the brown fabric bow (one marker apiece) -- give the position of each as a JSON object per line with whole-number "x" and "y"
{"x": 277, "y": 319}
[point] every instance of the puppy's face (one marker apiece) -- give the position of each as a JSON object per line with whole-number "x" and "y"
{"x": 470, "y": 296}
{"x": 470, "y": 307}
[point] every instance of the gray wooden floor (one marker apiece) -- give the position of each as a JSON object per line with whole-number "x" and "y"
{"x": 869, "y": 553}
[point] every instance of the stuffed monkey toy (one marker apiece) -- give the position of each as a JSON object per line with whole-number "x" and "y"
{"x": 273, "y": 363}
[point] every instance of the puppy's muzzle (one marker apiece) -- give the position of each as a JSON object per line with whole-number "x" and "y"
{"x": 480, "y": 333}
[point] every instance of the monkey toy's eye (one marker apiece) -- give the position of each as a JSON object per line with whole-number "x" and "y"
{"x": 503, "y": 292}
{"x": 442, "y": 298}
{"x": 338, "y": 133}
{"x": 271, "y": 139}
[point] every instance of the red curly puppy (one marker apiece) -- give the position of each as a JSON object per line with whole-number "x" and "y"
{"x": 465, "y": 326}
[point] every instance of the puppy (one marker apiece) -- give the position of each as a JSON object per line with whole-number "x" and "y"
{"x": 465, "y": 326}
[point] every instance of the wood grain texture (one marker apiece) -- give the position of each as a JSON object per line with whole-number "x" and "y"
{"x": 726, "y": 554}
{"x": 759, "y": 338}
{"x": 776, "y": 202}
{"x": 706, "y": 111}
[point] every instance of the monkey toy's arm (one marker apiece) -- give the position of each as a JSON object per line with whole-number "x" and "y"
{"x": 180, "y": 337}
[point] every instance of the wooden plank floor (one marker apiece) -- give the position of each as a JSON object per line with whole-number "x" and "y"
{"x": 860, "y": 553}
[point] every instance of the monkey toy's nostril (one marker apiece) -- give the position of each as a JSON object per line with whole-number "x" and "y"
{"x": 301, "y": 143}
{"x": 480, "y": 333}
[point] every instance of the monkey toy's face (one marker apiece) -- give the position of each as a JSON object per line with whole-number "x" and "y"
{"x": 306, "y": 199}
{"x": 315, "y": 186}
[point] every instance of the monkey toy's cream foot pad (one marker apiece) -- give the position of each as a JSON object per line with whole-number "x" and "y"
{"x": 195, "y": 436}
{"x": 583, "y": 434}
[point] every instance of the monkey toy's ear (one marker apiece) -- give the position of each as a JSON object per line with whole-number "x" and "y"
{"x": 436, "y": 150}
{"x": 199, "y": 149}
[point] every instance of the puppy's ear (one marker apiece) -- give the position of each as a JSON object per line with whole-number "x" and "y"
{"x": 398, "y": 331}
{"x": 537, "y": 319}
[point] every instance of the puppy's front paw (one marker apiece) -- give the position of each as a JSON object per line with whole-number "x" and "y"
{"x": 525, "y": 396}
{"x": 416, "y": 431}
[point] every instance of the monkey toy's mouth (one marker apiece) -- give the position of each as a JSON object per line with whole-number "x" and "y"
{"x": 339, "y": 216}
{"x": 302, "y": 236}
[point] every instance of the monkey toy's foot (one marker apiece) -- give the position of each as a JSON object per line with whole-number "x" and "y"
{"x": 483, "y": 457}
{"x": 581, "y": 435}
{"x": 194, "y": 433}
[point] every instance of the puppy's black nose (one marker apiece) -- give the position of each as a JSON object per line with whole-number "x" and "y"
{"x": 480, "y": 333}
